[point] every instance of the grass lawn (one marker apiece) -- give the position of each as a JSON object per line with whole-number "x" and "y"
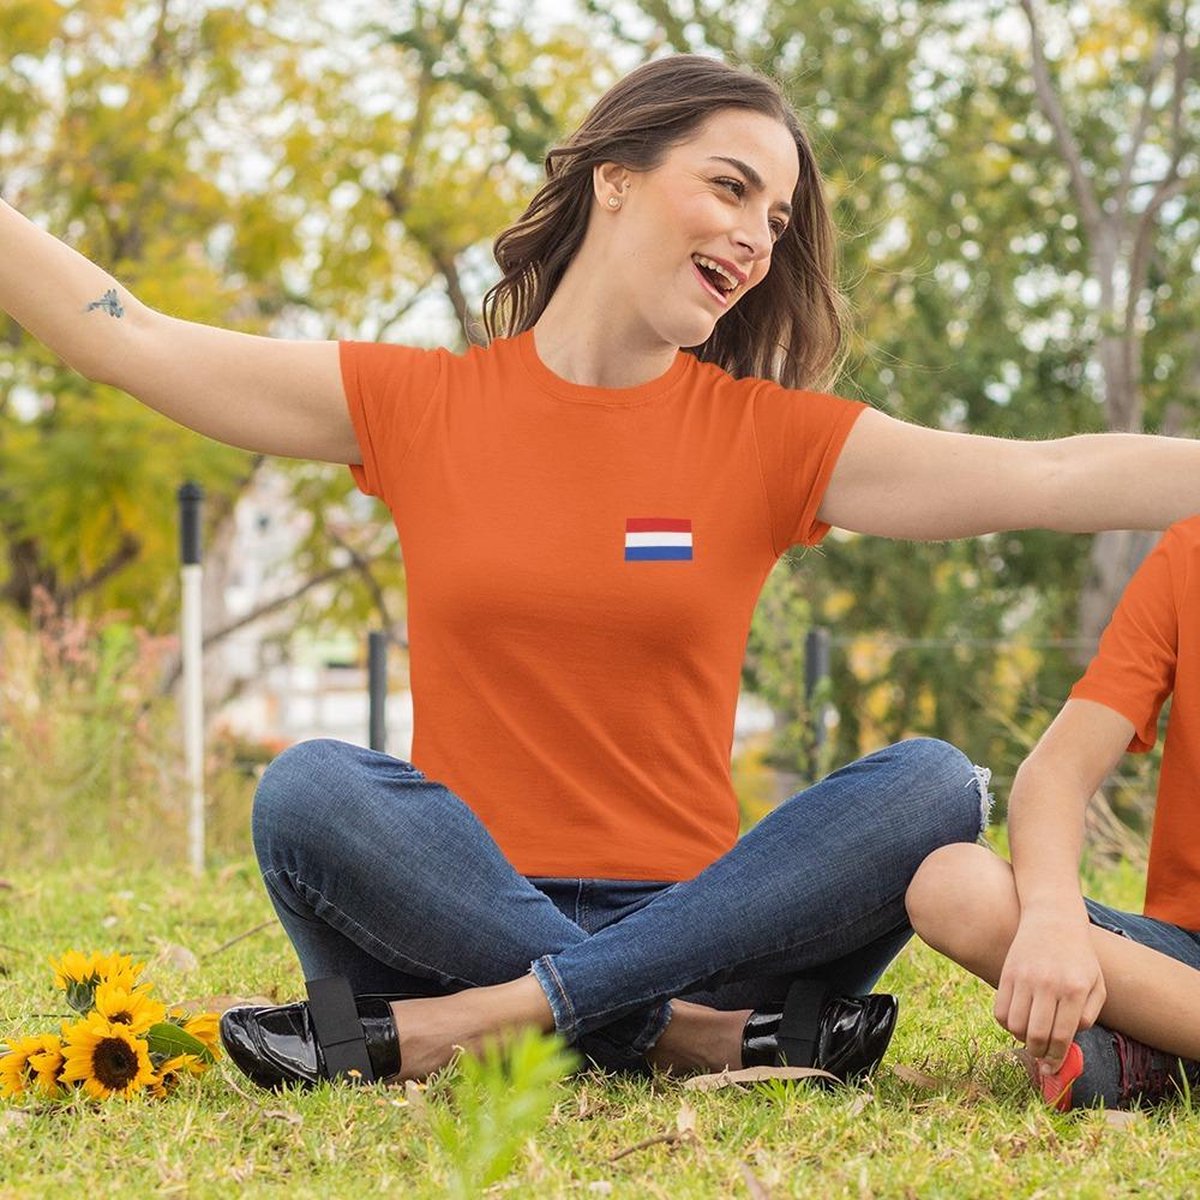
{"x": 948, "y": 1115}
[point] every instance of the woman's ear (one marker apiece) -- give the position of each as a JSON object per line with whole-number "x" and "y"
{"x": 610, "y": 181}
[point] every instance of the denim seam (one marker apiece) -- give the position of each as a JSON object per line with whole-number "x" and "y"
{"x": 580, "y": 906}
{"x": 565, "y": 1020}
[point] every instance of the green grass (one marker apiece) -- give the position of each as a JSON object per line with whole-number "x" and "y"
{"x": 959, "y": 1123}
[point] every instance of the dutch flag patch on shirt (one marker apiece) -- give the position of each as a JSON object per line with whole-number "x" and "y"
{"x": 658, "y": 539}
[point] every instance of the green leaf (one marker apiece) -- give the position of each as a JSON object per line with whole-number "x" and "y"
{"x": 170, "y": 1040}
{"x": 81, "y": 994}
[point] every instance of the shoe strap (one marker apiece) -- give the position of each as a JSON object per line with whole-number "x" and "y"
{"x": 339, "y": 1030}
{"x": 800, "y": 1024}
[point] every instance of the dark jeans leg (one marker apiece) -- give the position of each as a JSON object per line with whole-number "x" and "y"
{"x": 818, "y": 885}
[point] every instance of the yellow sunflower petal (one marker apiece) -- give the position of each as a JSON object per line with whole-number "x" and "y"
{"x": 16, "y": 1074}
{"x": 206, "y": 1027}
{"x": 174, "y": 1069}
{"x": 47, "y": 1064}
{"x": 119, "y": 969}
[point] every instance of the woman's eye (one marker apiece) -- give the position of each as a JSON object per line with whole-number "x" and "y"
{"x": 736, "y": 186}
{"x": 777, "y": 229}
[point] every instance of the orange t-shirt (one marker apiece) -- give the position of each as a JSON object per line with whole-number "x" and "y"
{"x": 1151, "y": 650}
{"x": 582, "y": 566}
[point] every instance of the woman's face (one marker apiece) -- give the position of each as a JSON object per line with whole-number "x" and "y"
{"x": 695, "y": 234}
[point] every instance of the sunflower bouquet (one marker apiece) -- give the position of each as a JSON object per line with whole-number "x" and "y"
{"x": 123, "y": 1042}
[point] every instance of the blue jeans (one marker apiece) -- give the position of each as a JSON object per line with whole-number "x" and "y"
{"x": 1172, "y": 940}
{"x": 386, "y": 877}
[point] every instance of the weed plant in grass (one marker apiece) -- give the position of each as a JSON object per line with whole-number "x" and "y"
{"x": 90, "y": 752}
{"x": 949, "y": 1115}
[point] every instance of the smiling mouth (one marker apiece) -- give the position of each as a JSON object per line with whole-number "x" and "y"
{"x": 716, "y": 279}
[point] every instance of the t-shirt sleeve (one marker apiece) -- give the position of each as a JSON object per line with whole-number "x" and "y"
{"x": 1133, "y": 672}
{"x": 799, "y": 436}
{"x": 388, "y": 391}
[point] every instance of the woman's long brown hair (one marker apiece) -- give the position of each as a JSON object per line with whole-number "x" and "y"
{"x": 790, "y": 327}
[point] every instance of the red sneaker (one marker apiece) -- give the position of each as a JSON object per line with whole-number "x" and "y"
{"x": 1056, "y": 1088}
{"x": 1106, "y": 1067}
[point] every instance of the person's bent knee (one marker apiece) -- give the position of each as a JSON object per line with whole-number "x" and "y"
{"x": 299, "y": 770}
{"x": 294, "y": 783}
{"x": 944, "y": 772}
{"x": 958, "y": 893}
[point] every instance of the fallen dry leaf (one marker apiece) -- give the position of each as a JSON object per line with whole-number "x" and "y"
{"x": 1119, "y": 1119}
{"x": 917, "y": 1078}
{"x": 861, "y": 1102}
{"x": 13, "y": 1118}
{"x": 414, "y": 1093}
{"x": 713, "y": 1083}
{"x": 278, "y": 1114}
{"x": 223, "y": 1003}
{"x": 685, "y": 1120}
{"x": 177, "y": 958}
{"x": 968, "y": 1089}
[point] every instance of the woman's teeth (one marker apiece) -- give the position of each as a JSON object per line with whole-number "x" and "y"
{"x": 725, "y": 282}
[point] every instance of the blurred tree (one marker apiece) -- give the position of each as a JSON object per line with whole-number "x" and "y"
{"x": 1123, "y": 102}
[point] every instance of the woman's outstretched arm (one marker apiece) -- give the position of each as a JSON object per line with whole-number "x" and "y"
{"x": 264, "y": 394}
{"x": 899, "y": 480}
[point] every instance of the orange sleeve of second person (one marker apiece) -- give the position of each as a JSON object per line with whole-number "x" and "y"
{"x": 1134, "y": 669}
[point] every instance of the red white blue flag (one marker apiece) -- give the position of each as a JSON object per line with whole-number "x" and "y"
{"x": 658, "y": 539}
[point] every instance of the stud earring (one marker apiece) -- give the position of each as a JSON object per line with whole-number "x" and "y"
{"x": 614, "y": 202}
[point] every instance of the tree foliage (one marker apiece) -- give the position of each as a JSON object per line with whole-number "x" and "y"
{"x": 267, "y": 168}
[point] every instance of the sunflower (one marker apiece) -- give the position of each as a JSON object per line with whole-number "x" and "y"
{"x": 49, "y": 1063}
{"x": 172, "y": 1071}
{"x": 134, "y": 1008}
{"x": 31, "y": 1062}
{"x": 107, "y": 1058}
{"x": 79, "y": 974}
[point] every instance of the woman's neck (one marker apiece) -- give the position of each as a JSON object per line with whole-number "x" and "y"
{"x": 588, "y": 337}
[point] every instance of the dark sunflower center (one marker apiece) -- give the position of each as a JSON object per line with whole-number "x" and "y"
{"x": 124, "y": 1017}
{"x": 114, "y": 1063}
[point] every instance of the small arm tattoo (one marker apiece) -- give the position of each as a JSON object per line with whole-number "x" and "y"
{"x": 108, "y": 303}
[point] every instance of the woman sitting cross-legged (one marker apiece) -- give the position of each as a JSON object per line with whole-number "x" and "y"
{"x": 588, "y": 508}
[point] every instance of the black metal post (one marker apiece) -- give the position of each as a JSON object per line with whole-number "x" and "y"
{"x": 816, "y": 671}
{"x": 377, "y": 687}
{"x": 191, "y": 495}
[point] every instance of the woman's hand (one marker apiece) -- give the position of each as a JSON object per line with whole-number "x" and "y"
{"x": 1051, "y": 985}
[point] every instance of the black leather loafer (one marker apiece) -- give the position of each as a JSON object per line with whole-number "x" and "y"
{"x": 332, "y": 1035}
{"x": 844, "y": 1035}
